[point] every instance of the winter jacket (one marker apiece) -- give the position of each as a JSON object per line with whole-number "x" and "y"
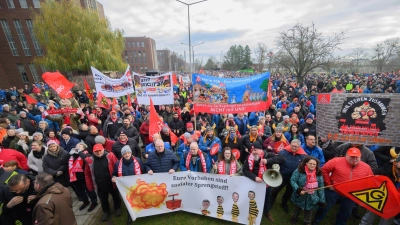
{"x": 316, "y": 152}
{"x": 70, "y": 145}
{"x": 11, "y": 154}
{"x": 176, "y": 125}
{"x": 27, "y": 124}
{"x": 338, "y": 170}
{"x": 312, "y": 129}
{"x": 272, "y": 158}
{"x": 117, "y": 147}
{"x": 144, "y": 131}
{"x": 34, "y": 163}
{"x": 162, "y": 162}
{"x": 128, "y": 167}
{"x": 367, "y": 155}
{"x": 89, "y": 141}
{"x": 289, "y": 137}
{"x": 387, "y": 170}
{"x": 90, "y": 178}
{"x": 205, "y": 143}
{"x": 131, "y": 131}
{"x": 306, "y": 201}
{"x": 242, "y": 124}
{"x": 54, "y": 206}
{"x": 52, "y": 164}
{"x": 151, "y": 148}
{"x": 197, "y": 166}
{"x": 292, "y": 160}
{"x": 111, "y": 127}
{"x": 168, "y": 116}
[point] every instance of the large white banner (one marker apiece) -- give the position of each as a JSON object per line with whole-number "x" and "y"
{"x": 113, "y": 87}
{"x": 159, "y": 88}
{"x": 236, "y": 198}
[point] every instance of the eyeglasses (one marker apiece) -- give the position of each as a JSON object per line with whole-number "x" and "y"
{"x": 295, "y": 146}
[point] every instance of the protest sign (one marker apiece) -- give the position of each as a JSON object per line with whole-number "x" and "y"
{"x": 230, "y": 95}
{"x": 212, "y": 195}
{"x": 159, "y": 88}
{"x": 62, "y": 111}
{"x": 368, "y": 119}
{"x": 112, "y": 87}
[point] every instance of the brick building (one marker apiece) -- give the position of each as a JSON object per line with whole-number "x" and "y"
{"x": 18, "y": 43}
{"x": 140, "y": 54}
{"x": 164, "y": 60}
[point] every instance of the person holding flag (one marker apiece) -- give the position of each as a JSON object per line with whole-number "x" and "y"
{"x": 209, "y": 141}
{"x": 339, "y": 170}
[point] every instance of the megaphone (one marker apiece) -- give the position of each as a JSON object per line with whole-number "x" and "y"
{"x": 272, "y": 177}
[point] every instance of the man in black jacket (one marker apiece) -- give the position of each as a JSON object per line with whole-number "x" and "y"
{"x": 308, "y": 128}
{"x": 16, "y": 197}
{"x": 90, "y": 138}
{"x": 176, "y": 125}
{"x": 254, "y": 167}
{"x": 122, "y": 141}
{"x": 161, "y": 160}
{"x": 111, "y": 125}
{"x": 129, "y": 129}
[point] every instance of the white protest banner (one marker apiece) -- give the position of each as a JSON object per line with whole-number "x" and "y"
{"x": 113, "y": 87}
{"x": 185, "y": 79}
{"x": 236, "y": 198}
{"x": 159, "y": 88}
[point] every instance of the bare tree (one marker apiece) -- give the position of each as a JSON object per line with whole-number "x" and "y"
{"x": 302, "y": 49}
{"x": 384, "y": 51}
{"x": 260, "y": 53}
{"x": 358, "y": 54}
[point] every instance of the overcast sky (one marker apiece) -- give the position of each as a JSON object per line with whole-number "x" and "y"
{"x": 222, "y": 23}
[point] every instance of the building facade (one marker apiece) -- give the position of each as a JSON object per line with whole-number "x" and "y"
{"x": 164, "y": 60}
{"x": 141, "y": 54}
{"x": 18, "y": 43}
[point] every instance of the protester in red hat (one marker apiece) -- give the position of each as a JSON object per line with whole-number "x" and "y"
{"x": 98, "y": 173}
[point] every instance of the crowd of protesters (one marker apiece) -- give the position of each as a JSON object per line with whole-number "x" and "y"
{"x": 42, "y": 154}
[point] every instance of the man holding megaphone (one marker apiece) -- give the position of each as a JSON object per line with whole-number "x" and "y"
{"x": 255, "y": 166}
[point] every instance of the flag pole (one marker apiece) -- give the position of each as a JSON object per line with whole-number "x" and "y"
{"x": 322, "y": 187}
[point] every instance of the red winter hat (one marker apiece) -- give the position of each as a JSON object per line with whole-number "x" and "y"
{"x": 308, "y": 103}
{"x": 189, "y": 125}
{"x": 284, "y": 106}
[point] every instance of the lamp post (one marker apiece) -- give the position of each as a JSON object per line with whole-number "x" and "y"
{"x": 190, "y": 44}
{"x": 191, "y": 47}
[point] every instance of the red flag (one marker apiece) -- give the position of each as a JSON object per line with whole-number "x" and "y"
{"x": 59, "y": 83}
{"x": 375, "y": 193}
{"x": 174, "y": 80}
{"x": 156, "y": 124}
{"x": 88, "y": 90}
{"x": 269, "y": 94}
{"x": 30, "y": 100}
{"x": 114, "y": 103}
{"x": 201, "y": 71}
{"x": 129, "y": 100}
{"x": 102, "y": 101}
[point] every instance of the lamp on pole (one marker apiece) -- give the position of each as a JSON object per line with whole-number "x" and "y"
{"x": 190, "y": 44}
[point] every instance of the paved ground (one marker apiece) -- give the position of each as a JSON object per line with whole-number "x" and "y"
{"x": 83, "y": 217}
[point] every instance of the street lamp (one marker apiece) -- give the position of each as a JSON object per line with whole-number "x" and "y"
{"x": 194, "y": 62}
{"x": 190, "y": 43}
{"x": 193, "y": 50}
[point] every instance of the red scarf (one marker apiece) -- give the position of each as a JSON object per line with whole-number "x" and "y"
{"x": 203, "y": 161}
{"x": 221, "y": 167}
{"x": 262, "y": 167}
{"x": 136, "y": 167}
{"x": 311, "y": 182}
{"x": 74, "y": 167}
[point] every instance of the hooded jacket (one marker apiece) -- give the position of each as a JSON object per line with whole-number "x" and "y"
{"x": 54, "y": 206}
{"x": 292, "y": 160}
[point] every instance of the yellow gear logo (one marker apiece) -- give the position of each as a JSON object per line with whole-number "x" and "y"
{"x": 375, "y": 198}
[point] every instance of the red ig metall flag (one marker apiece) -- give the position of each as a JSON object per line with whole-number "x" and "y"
{"x": 58, "y": 83}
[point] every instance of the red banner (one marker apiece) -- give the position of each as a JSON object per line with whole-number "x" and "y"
{"x": 30, "y": 100}
{"x": 102, "y": 101}
{"x": 230, "y": 108}
{"x": 375, "y": 193}
{"x": 156, "y": 125}
{"x": 62, "y": 111}
{"x": 89, "y": 92}
{"x": 129, "y": 100}
{"x": 58, "y": 83}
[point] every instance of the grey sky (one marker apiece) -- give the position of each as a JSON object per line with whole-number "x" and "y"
{"x": 222, "y": 23}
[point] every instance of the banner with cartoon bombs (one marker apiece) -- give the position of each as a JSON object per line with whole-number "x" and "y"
{"x": 213, "y": 195}
{"x": 112, "y": 87}
{"x": 369, "y": 119}
{"x": 230, "y": 95}
{"x": 159, "y": 88}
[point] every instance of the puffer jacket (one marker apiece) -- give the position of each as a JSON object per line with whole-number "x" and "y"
{"x": 307, "y": 201}
{"x": 162, "y": 163}
{"x": 367, "y": 155}
{"x": 316, "y": 152}
{"x": 70, "y": 145}
{"x": 54, "y": 206}
{"x": 52, "y": 164}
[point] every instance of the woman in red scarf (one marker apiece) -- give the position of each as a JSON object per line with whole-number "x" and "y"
{"x": 227, "y": 164}
{"x": 304, "y": 180}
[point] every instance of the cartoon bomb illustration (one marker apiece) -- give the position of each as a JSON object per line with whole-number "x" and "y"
{"x": 174, "y": 203}
{"x": 364, "y": 112}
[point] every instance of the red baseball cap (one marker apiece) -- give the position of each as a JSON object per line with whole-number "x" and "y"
{"x": 98, "y": 147}
{"x": 353, "y": 152}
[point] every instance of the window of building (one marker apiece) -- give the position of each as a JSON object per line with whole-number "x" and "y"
{"x": 142, "y": 44}
{"x": 145, "y": 69}
{"x": 24, "y": 76}
{"x": 22, "y": 37}
{"x": 10, "y": 4}
{"x": 38, "y": 49}
{"x": 36, "y": 4}
{"x": 35, "y": 75}
{"x": 141, "y": 69}
{"x": 138, "y": 44}
{"x": 144, "y": 57}
{"x": 130, "y": 57}
{"x": 43, "y": 68}
{"x": 9, "y": 37}
{"x": 23, "y": 4}
{"x": 133, "y": 44}
{"x": 129, "y": 44}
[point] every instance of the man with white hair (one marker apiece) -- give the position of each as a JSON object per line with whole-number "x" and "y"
{"x": 161, "y": 160}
